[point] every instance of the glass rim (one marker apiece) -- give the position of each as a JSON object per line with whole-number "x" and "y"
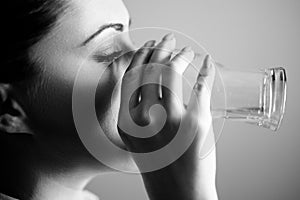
{"x": 278, "y": 82}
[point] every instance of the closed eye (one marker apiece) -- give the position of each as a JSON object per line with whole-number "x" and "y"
{"x": 107, "y": 57}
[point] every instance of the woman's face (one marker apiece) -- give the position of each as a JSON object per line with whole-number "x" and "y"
{"x": 73, "y": 42}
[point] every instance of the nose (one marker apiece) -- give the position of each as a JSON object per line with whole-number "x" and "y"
{"x": 129, "y": 51}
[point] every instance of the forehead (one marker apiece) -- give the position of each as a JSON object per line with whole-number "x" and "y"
{"x": 81, "y": 19}
{"x": 91, "y": 14}
{"x": 84, "y": 17}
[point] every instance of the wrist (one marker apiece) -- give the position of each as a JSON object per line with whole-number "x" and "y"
{"x": 169, "y": 183}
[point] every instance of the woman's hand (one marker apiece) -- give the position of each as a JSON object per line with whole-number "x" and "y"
{"x": 156, "y": 78}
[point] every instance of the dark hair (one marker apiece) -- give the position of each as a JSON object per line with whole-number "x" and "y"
{"x": 25, "y": 23}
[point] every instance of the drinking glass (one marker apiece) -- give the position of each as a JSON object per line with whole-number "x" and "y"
{"x": 255, "y": 97}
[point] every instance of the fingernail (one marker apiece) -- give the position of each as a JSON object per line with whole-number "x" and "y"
{"x": 206, "y": 61}
{"x": 209, "y": 61}
{"x": 150, "y": 43}
{"x": 187, "y": 49}
{"x": 169, "y": 36}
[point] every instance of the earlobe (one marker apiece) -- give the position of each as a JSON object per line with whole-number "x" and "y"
{"x": 12, "y": 117}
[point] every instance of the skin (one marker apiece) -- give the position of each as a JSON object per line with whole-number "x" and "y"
{"x": 44, "y": 127}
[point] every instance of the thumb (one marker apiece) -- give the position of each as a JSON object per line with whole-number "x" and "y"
{"x": 199, "y": 104}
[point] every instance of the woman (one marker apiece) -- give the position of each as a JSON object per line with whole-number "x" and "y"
{"x": 42, "y": 154}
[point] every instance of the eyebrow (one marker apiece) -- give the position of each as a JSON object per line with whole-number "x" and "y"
{"x": 116, "y": 26}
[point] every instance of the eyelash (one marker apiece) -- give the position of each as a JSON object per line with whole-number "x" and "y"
{"x": 107, "y": 55}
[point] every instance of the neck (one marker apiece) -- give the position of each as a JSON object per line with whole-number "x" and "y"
{"x": 30, "y": 171}
{"x": 61, "y": 188}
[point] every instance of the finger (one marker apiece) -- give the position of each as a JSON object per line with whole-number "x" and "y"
{"x": 199, "y": 104}
{"x": 132, "y": 78}
{"x": 151, "y": 83}
{"x": 163, "y": 51}
{"x": 182, "y": 60}
{"x": 152, "y": 72}
{"x": 142, "y": 55}
{"x": 207, "y": 72}
{"x": 172, "y": 78}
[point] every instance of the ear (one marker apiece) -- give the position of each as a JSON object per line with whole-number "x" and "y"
{"x": 12, "y": 117}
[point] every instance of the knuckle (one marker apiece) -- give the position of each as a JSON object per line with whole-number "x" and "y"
{"x": 130, "y": 75}
{"x": 142, "y": 121}
{"x": 133, "y": 71}
{"x": 141, "y": 117}
{"x": 201, "y": 87}
{"x": 172, "y": 64}
{"x": 150, "y": 68}
{"x": 198, "y": 86}
{"x": 141, "y": 51}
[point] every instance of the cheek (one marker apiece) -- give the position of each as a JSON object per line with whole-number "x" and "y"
{"x": 107, "y": 98}
{"x": 50, "y": 96}
{"x": 107, "y": 103}
{"x": 51, "y": 106}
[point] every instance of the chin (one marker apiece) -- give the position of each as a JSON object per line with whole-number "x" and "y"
{"x": 109, "y": 126}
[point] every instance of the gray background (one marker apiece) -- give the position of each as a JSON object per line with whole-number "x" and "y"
{"x": 253, "y": 163}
